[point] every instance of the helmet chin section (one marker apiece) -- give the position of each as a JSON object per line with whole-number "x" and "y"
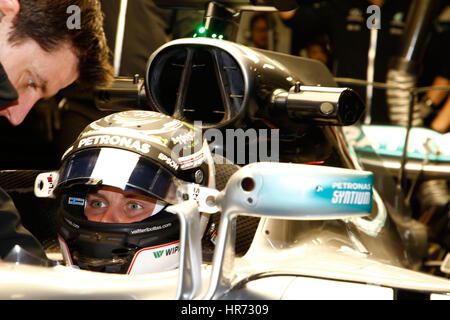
{"x": 148, "y": 246}
{"x": 165, "y": 257}
{"x": 153, "y": 259}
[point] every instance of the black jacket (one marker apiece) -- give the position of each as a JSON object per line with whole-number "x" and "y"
{"x": 11, "y": 230}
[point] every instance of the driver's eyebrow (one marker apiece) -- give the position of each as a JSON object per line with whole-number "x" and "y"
{"x": 96, "y": 194}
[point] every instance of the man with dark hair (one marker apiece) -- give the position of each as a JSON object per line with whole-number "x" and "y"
{"x": 39, "y": 55}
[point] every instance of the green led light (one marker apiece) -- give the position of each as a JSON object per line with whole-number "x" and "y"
{"x": 214, "y": 35}
{"x": 221, "y": 37}
{"x": 201, "y": 30}
{"x": 195, "y": 35}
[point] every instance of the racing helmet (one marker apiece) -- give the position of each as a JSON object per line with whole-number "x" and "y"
{"x": 140, "y": 152}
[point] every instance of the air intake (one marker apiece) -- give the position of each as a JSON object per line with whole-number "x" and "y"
{"x": 194, "y": 82}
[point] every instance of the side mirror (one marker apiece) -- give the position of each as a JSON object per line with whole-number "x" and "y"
{"x": 285, "y": 191}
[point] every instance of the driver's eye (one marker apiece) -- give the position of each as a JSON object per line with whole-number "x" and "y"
{"x": 135, "y": 206}
{"x": 97, "y": 204}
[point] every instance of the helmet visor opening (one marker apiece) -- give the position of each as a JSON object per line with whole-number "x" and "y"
{"x": 122, "y": 169}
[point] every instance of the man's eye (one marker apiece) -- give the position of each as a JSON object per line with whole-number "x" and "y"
{"x": 135, "y": 206}
{"x": 98, "y": 204}
{"x": 31, "y": 83}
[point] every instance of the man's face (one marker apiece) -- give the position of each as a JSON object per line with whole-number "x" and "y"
{"x": 260, "y": 34}
{"x": 33, "y": 72}
{"x": 113, "y": 205}
{"x": 316, "y": 52}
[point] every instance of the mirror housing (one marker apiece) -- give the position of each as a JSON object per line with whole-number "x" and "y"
{"x": 285, "y": 191}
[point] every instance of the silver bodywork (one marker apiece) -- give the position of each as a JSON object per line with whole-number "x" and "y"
{"x": 285, "y": 261}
